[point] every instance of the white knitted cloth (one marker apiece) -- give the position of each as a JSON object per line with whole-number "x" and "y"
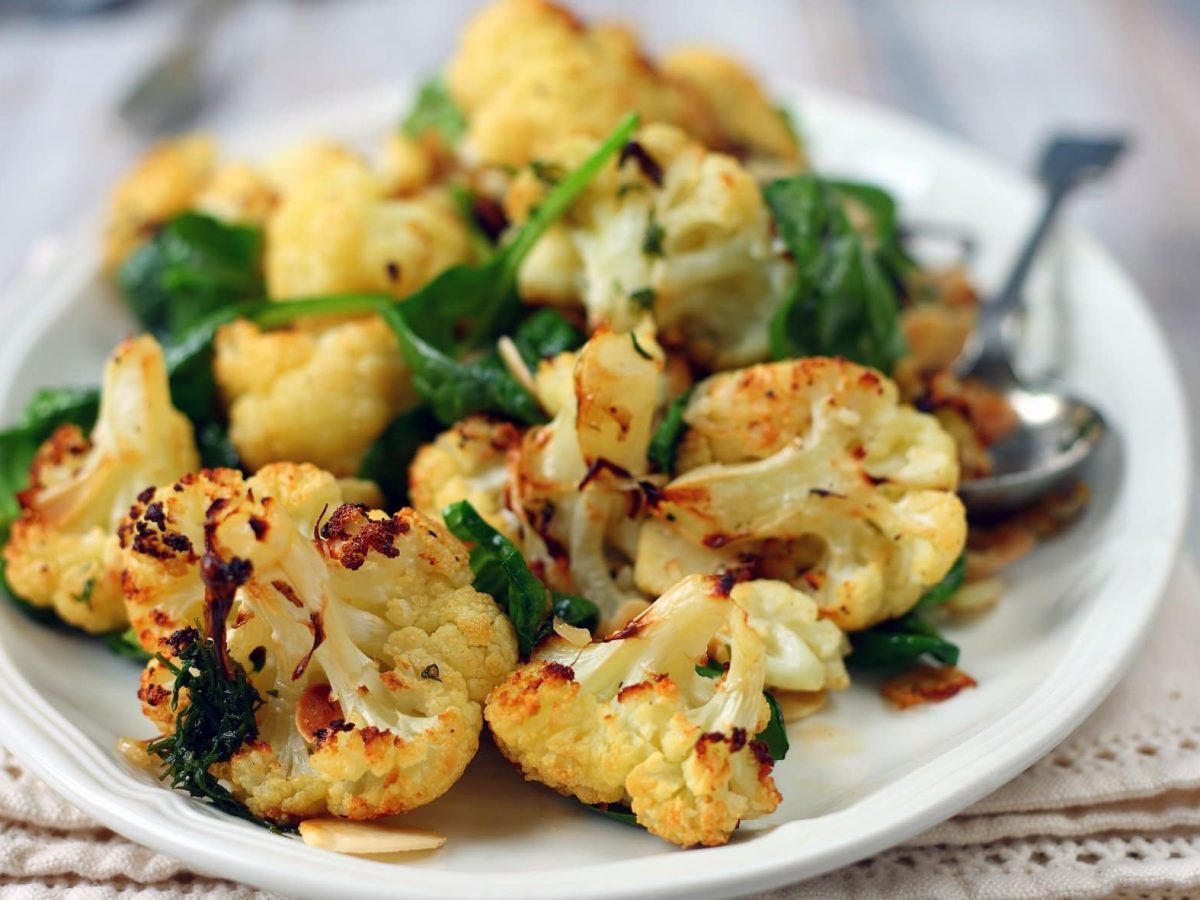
{"x": 1115, "y": 810}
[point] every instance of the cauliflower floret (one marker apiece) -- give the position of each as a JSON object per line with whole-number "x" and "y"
{"x": 336, "y": 231}
{"x": 574, "y": 483}
{"x": 238, "y": 193}
{"x": 406, "y": 164}
{"x": 361, "y": 631}
{"x": 62, "y": 551}
{"x": 811, "y": 471}
{"x": 527, "y": 72}
{"x": 163, "y": 183}
{"x": 671, "y": 227}
{"x": 804, "y": 652}
{"x": 751, "y": 123}
{"x": 467, "y": 462}
{"x": 321, "y": 397}
{"x": 628, "y": 719}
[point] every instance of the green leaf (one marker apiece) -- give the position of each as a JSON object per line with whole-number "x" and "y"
{"x": 192, "y": 267}
{"x": 387, "y": 462}
{"x": 501, "y": 571}
{"x": 652, "y": 239}
{"x": 455, "y": 390}
{"x": 543, "y": 335}
{"x": 125, "y": 643}
{"x": 617, "y": 811}
{"x": 844, "y": 300}
{"x": 664, "y": 445}
{"x": 211, "y": 727}
{"x": 436, "y": 111}
{"x": 899, "y": 642}
{"x": 775, "y": 734}
{"x": 466, "y": 307}
{"x": 946, "y": 588}
{"x": 464, "y": 203}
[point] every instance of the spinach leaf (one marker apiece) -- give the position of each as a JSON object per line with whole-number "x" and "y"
{"x": 618, "y": 811}
{"x": 665, "y": 443}
{"x": 387, "y": 462}
{"x": 900, "y": 641}
{"x": 194, "y": 266}
{"x": 946, "y": 588}
{"x": 906, "y": 639}
{"x": 125, "y": 643}
{"x": 774, "y": 734}
{"x": 436, "y": 111}
{"x": 500, "y": 570}
{"x": 545, "y": 334}
{"x": 469, "y": 306}
{"x": 844, "y": 300}
{"x": 455, "y": 390}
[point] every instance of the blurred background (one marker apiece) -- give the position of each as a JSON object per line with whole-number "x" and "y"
{"x": 1000, "y": 73}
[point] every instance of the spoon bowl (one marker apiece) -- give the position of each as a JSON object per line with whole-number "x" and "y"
{"x": 1055, "y": 436}
{"x": 1056, "y": 433}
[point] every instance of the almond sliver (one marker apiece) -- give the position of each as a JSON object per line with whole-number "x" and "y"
{"x": 365, "y": 838}
{"x": 572, "y": 634}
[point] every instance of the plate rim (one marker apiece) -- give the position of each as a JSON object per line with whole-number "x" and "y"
{"x": 202, "y": 839}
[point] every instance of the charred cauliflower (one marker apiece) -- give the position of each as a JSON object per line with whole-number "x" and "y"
{"x": 753, "y": 126}
{"x": 63, "y": 549}
{"x": 321, "y": 397}
{"x": 811, "y": 471}
{"x": 164, "y": 182}
{"x": 670, "y": 227}
{"x": 574, "y": 483}
{"x": 527, "y": 72}
{"x": 629, "y": 720}
{"x": 337, "y": 231}
{"x": 361, "y": 631}
{"x": 467, "y": 462}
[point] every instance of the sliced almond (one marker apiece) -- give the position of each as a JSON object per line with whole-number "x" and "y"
{"x": 367, "y": 838}
{"x": 511, "y": 357}
{"x": 572, "y": 634}
{"x": 797, "y": 705}
{"x": 136, "y": 754}
{"x": 976, "y": 597}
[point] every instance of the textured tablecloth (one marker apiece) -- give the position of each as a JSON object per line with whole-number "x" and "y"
{"x": 1114, "y": 810}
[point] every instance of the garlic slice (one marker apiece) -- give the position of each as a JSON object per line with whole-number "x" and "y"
{"x": 366, "y": 838}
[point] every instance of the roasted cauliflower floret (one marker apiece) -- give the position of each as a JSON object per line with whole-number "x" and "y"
{"x": 670, "y": 227}
{"x": 811, "y": 471}
{"x": 574, "y": 483}
{"x": 337, "y": 231}
{"x": 322, "y": 397}
{"x": 238, "y": 193}
{"x": 628, "y": 719}
{"x": 527, "y": 72}
{"x": 164, "y": 183}
{"x": 751, "y": 123}
{"x": 62, "y": 552}
{"x": 803, "y": 651}
{"x": 467, "y": 462}
{"x": 360, "y": 630}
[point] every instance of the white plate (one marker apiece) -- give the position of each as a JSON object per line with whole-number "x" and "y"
{"x": 859, "y": 778}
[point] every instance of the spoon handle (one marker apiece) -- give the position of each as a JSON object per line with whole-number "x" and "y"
{"x": 1066, "y": 162}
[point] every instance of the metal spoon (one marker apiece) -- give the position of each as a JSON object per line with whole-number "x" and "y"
{"x": 1057, "y": 433}
{"x": 170, "y": 93}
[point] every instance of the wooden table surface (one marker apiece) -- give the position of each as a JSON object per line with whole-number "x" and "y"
{"x": 1001, "y": 73}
